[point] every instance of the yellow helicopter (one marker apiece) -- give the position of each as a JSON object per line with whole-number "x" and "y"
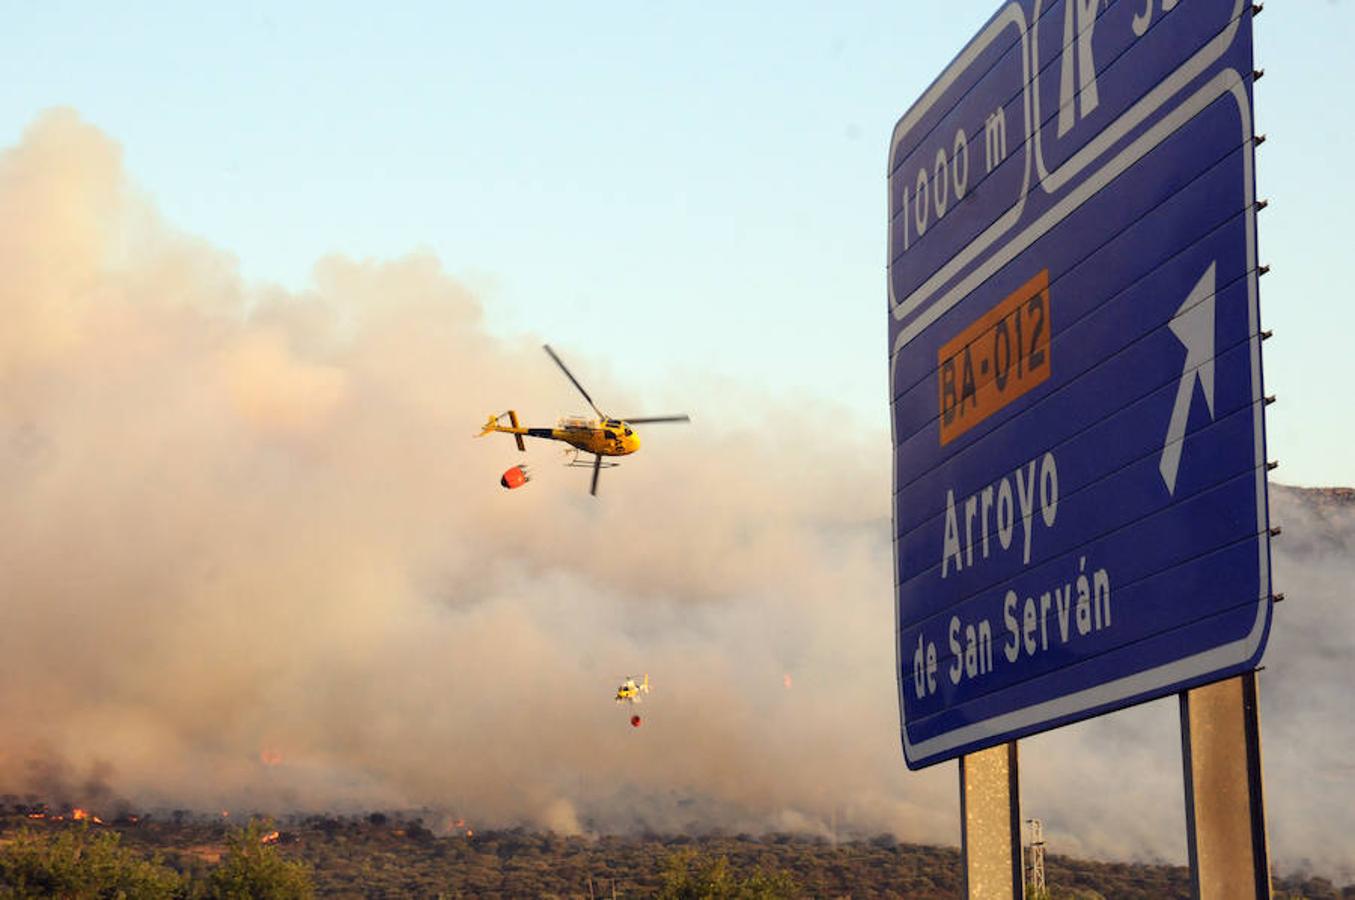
{"x": 603, "y": 436}
{"x": 630, "y": 689}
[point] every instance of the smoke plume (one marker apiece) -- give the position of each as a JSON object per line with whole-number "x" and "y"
{"x": 253, "y": 559}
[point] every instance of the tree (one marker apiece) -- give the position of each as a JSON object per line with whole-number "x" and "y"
{"x": 688, "y": 875}
{"x": 253, "y": 870}
{"x": 79, "y": 863}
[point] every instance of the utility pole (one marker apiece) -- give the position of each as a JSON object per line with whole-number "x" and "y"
{"x": 1035, "y": 859}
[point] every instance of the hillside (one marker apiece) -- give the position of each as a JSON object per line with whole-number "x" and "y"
{"x": 380, "y": 856}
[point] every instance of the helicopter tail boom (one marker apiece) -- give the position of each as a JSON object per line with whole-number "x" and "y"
{"x": 517, "y": 431}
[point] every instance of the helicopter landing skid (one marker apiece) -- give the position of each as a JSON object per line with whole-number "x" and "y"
{"x": 576, "y": 463}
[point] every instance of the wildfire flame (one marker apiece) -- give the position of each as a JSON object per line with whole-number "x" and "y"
{"x": 270, "y": 757}
{"x": 77, "y": 815}
{"x": 272, "y": 837}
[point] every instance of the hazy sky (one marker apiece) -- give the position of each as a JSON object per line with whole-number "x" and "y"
{"x": 674, "y": 188}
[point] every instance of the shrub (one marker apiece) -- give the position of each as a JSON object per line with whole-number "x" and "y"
{"x": 80, "y": 863}
{"x": 253, "y": 870}
{"x": 688, "y": 876}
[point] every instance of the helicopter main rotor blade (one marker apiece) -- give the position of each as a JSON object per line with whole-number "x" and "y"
{"x": 645, "y": 420}
{"x": 574, "y": 381}
{"x": 597, "y": 469}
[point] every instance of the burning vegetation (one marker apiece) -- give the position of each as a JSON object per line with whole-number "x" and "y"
{"x": 76, "y": 814}
{"x": 75, "y": 854}
{"x": 397, "y": 854}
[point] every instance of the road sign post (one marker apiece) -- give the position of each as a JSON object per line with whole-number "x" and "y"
{"x": 1225, "y": 807}
{"x": 990, "y": 824}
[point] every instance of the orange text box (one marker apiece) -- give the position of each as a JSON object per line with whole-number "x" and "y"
{"x": 996, "y": 359}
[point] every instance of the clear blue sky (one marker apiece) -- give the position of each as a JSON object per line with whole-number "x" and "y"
{"x": 678, "y": 188}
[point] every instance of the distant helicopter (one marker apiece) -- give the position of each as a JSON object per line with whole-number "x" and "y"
{"x": 604, "y": 436}
{"x": 630, "y": 689}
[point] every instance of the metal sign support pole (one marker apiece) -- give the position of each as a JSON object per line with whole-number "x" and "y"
{"x": 1225, "y": 812}
{"x": 990, "y": 824}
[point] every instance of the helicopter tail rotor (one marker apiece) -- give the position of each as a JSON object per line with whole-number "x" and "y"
{"x": 513, "y": 417}
{"x": 494, "y": 425}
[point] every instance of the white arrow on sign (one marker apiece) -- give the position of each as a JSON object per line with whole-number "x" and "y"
{"x": 1193, "y": 326}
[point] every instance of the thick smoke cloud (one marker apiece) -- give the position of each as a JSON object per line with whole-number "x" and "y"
{"x": 252, "y": 558}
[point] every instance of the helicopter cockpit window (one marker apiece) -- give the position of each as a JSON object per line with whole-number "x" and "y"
{"x": 611, "y": 435}
{"x": 629, "y": 432}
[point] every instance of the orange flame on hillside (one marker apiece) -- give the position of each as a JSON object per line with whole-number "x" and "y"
{"x": 272, "y": 837}
{"x": 270, "y": 757}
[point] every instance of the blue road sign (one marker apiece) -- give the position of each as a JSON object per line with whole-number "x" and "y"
{"x": 1079, "y": 438}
